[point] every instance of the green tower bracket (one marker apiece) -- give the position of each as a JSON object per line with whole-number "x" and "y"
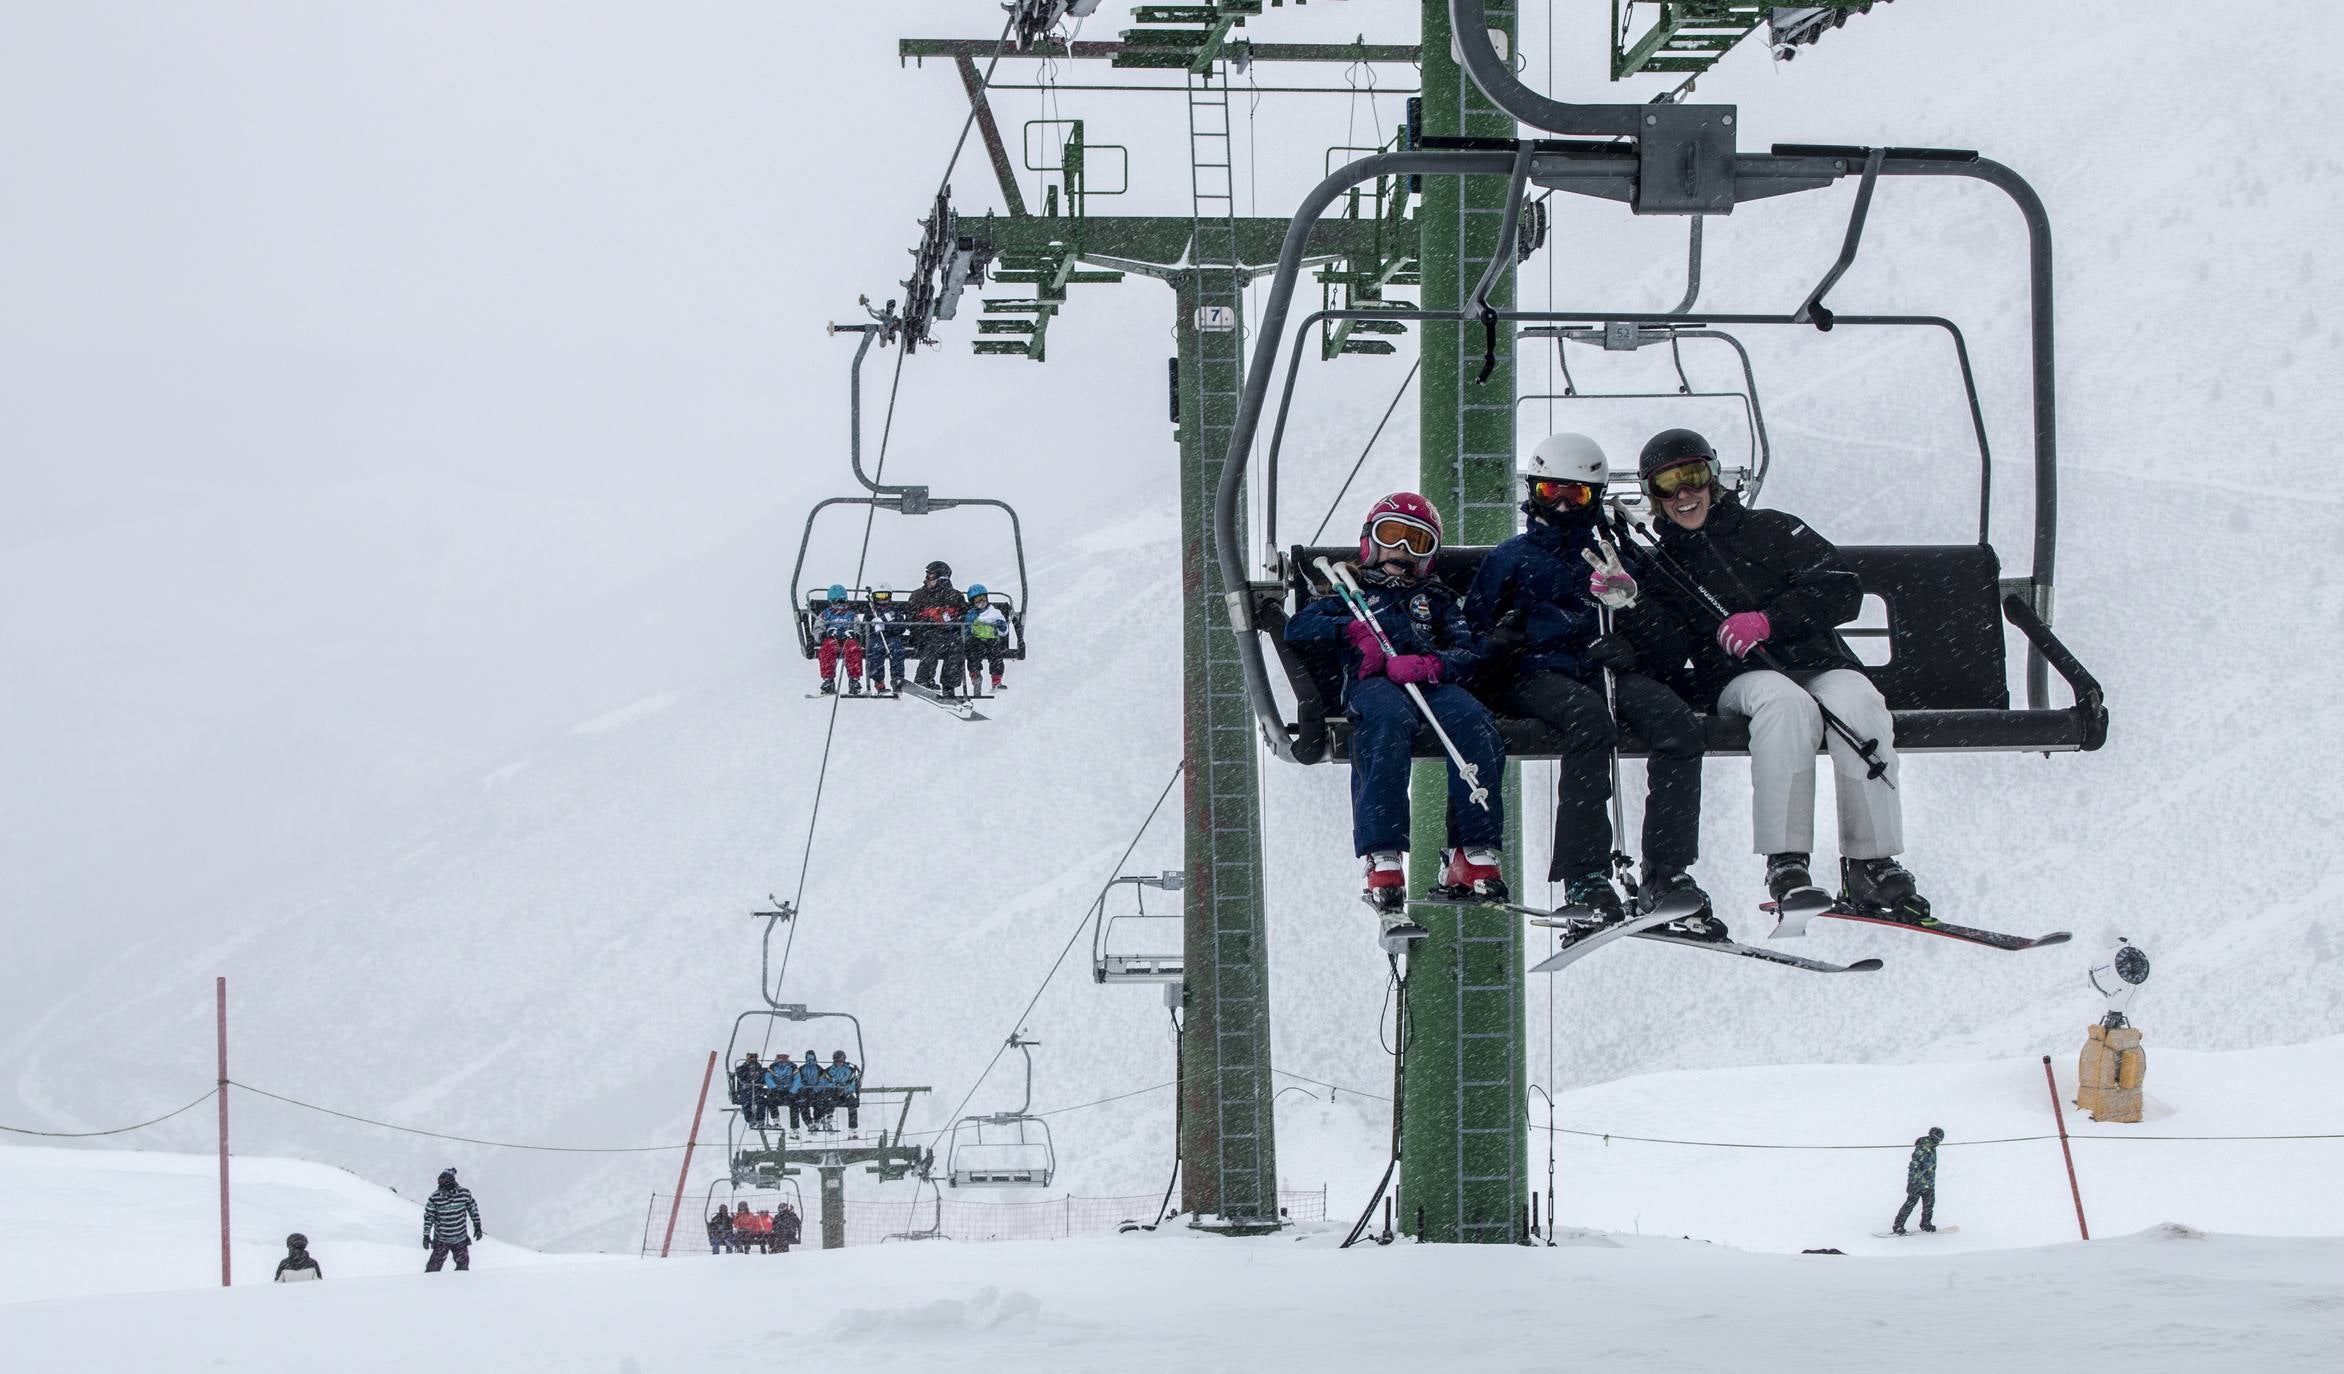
{"x": 1466, "y": 1112}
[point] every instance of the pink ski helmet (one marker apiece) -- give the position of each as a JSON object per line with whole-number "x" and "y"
{"x": 1404, "y": 521}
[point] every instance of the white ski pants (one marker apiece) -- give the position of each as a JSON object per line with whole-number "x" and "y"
{"x": 1785, "y": 728}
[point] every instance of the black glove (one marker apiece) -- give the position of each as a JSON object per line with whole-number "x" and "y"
{"x": 1613, "y": 651}
{"x": 1507, "y": 638}
{"x": 475, "y": 1233}
{"x": 427, "y": 1242}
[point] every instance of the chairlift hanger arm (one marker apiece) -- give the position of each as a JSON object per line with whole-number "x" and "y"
{"x": 918, "y": 49}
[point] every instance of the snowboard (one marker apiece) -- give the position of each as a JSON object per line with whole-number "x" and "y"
{"x": 1794, "y": 923}
{"x": 1940, "y": 1231}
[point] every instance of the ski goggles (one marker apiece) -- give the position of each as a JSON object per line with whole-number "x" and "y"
{"x": 1576, "y": 495}
{"x": 1396, "y": 532}
{"x": 1691, "y": 476}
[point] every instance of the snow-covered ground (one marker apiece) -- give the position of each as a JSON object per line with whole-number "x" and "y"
{"x": 2162, "y": 1300}
{"x": 2212, "y": 1254}
{"x": 83, "y": 1222}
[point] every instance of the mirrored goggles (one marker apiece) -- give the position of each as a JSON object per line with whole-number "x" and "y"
{"x": 1691, "y": 476}
{"x": 1392, "y": 532}
{"x": 1574, "y": 495}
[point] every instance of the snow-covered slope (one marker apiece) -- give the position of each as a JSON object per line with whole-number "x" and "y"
{"x": 544, "y": 948}
{"x": 81, "y": 1222}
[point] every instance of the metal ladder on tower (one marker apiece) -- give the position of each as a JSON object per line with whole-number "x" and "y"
{"x": 1240, "y": 981}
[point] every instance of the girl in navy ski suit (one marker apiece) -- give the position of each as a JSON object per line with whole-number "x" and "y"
{"x": 1433, "y": 649}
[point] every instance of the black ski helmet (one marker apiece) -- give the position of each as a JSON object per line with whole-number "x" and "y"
{"x": 1673, "y": 446}
{"x": 940, "y": 568}
{"x": 297, "y": 1241}
{"x": 1937, "y": 1133}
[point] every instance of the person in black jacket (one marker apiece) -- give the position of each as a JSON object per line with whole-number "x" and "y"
{"x": 1921, "y": 1182}
{"x": 1783, "y": 588}
{"x": 451, "y": 1222}
{"x": 298, "y": 1266}
{"x": 748, "y": 1090}
{"x": 939, "y": 635}
{"x": 1535, "y": 604}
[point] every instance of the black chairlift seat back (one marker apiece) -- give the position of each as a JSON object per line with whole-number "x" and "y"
{"x": 1945, "y": 676}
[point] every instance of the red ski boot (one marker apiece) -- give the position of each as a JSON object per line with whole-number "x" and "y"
{"x": 1471, "y": 875}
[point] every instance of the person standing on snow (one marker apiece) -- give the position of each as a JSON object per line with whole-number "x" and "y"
{"x": 885, "y": 654}
{"x": 988, "y": 636}
{"x": 298, "y": 1266}
{"x": 841, "y": 629}
{"x": 1535, "y": 602}
{"x": 1433, "y": 649}
{"x": 1785, "y": 589}
{"x": 451, "y": 1222}
{"x": 936, "y": 610}
{"x": 1921, "y": 1182}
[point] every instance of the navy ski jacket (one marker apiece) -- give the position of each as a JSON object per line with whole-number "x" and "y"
{"x": 1540, "y": 572}
{"x": 1418, "y": 616}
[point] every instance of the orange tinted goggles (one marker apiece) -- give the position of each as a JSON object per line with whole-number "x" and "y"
{"x": 1391, "y": 533}
{"x": 1575, "y": 495}
{"x": 1691, "y": 476}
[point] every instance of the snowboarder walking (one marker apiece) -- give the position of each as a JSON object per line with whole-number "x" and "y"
{"x": 841, "y": 628}
{"x": 1535, "y": 603}
{"x": 1921, "y": 1182}
{"x": 988, "y": 636}
{"x": 298, "y": 1266}
{"x": 451, "y": 1222}
{"x": 884, "y": 655}
{"x": 1737, "y": 581}
{"x": 936, "y": 610}
{"x": 1432, "y": 649}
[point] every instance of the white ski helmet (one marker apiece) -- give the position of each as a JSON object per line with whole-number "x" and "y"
{"x": 1564, "y": 458}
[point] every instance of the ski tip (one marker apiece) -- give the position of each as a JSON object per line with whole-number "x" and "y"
{"x": 2056, "y": 937}
{"x": 1865, "y": 966}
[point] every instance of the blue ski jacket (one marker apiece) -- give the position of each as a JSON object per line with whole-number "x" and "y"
{"x": 782, "y": 1077}
{"x": 838, "y": 621}
{"x": 844, "y": 1078}
{"x": 1418, "y": 616}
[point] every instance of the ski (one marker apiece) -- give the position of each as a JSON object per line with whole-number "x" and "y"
{"x": 1761, "y": 953}
{"x": 963, "y": 709}
{"x": 1992, "y": 939}
{"x": 852, "y": 696}
{"x": 1893, "y": 1235}
{"x": 1588, "y": 940}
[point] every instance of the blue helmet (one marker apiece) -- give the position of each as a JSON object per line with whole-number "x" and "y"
{"x": 976, "y": 589}
{"x": 838, "y": 591}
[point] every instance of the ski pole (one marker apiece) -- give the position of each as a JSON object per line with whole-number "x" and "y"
{"x": 1357, "y": 604}
{"x": 1875, "y": 767}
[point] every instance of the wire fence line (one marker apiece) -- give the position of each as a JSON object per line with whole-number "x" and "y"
{"x": 1606, "y": 1137}
{"x": 208, "y": 1095}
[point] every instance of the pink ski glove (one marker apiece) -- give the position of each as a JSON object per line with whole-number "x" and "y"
{"x": 1371, "y": 653}
{"x": 1407, "y": 668}
{"x": 1742, "y": 632}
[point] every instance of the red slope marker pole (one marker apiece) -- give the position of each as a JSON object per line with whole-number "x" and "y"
{"x": 684, "y": 1174}
{"x": 2065, "y": 1152}
{"x": 220, "y": 1001}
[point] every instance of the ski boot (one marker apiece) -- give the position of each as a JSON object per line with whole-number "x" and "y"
{"x": 1881, "y": 888}
{"x": 854, "y": 686}
{"x": 1471, "y": 875}
{"x": 998, "y": 684}
{"x": 1787, "y": 876}
{"x": 829, "y": 687}
{"x": 1387, "y": 882}
{"x": 1930, "y": 1227}
{"x": 1593, "y": 892}
{"x": 1676, "y": 883}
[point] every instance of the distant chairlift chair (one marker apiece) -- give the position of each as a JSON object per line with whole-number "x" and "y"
{"x": 1004, "y": 1149}
{"x": 1124, "y": 945}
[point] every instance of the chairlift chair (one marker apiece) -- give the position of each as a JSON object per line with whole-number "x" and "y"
{"x": 1003, "y": 1149}
{"x": 1946, "y": 679}
{"x": 1124, "y": 944}
{"x": 898, "y": 499}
